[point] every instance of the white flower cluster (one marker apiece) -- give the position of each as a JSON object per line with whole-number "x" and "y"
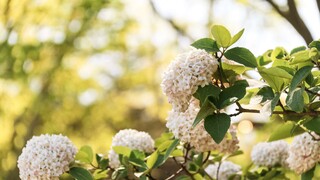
{"x": 304, "y": 153}
{"x": 180, "y": 124}
{"x": 185, "y": 74}
{"x": 46, "y": 157}
{"x": 133, "y": 139}
{"x": 270, "y": 154}
{"x": 226, "y": 170}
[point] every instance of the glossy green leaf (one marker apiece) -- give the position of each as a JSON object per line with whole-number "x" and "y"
{"x": 300, "y": 57}
{"x": 274, "y": 101}
{"x": 80, "y": 173}
{"x": 299, "y": 76}
{"x": 163, "y": 138}
{"x": 206, "y": 109}
{"x": 278, "y": 53}
{"x": 314, "y": 105}
{"x": 85, "y": 154}
{"x": 232, "y": 94}
{"x": 165, "y": 145}
{"x": 241, "y": 55}
{"x": 295, "y": 100}
{"x": 209, "y": 90}
{"x": 277, "y": 78}
{"x": 313, "y": 124}
{"x": 152, "y": 159}
{"x": 171, "y": 148}
{"x": 207, "y": 44}
{"x": 100, "y": 174}
{"x": 267, "y": 93}
{"x": 221, "y": 35}
{"x": 308, "y": 175}
{"x": 285, "y": 130}
{"x": 265, "y": 58}
{"x": 177, "y": 153}
{"x": 297, "y": 49}
{"x": 236, "y": 37}
{"x": 122, "y": 150}
{"x": 137, "y": 158}
{"x": 315, "y": 44}
{"x": 239, "y": 69}
{"x": 217, "y": 126}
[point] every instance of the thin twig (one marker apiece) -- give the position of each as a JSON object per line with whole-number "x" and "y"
{"x": 240, "y": 110}
{"x": 311, "y": 92}
{"x": 218, "y": 169}
{"x": 206, "y": 159}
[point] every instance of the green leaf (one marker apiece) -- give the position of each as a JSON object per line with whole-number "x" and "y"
{"x": 315, "y": 44}
{"x": 267, "y": 93}
{"x": 193, "y": 168}
{"x": 203, "y": 92}
{"x": 285, "y": 130}
{"x": 122, "y": 150}
{"x": 308, "y": 175}
{"x": 177, "y": 153}
{"x": 265, "y": 58}
{"x": 207, "y": 44}
{"x": 221, "y": 35}
{"x": 206, "y": 109}
{"x": 297, "y": 49}
{"x": 85, "y": 154}
{"x": 152, "y": 159}
{"x": 232, "y": 94}
{"x": 276, "y": 77}
{"x": 217, "y": 126}
{"x": 241, "y": 55}
{"x": 239, "y": 69}
{"x": 198, "y": 160}
{"x": 314, "y": 105}
{"x": 80, "y": 173}
{"x": 102, "y": 163}
{"x": 275, "y": 101}
{"x": 295, "y": 100}
{"x": 299, "y": 76}
{"x": 171, "y": 149}
{"x": 165, "y": 145}
{"x": 100, "y": 174}
{"x": 313, "y": 124}
{"x": 137, "y": 158}
{"x": 299, "y": 57}
{"x": 278, "y": 53}
{"x": 163, "y": 138}
{"x": 236, "y": 37}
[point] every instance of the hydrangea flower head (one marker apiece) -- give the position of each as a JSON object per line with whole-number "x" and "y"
{"x": 304, "y": 153}
{"x": 185, "y": 74}
{"x": 46, "y": 157}
{"x": 133, "y": 139}
{"x": 270, "y": 154}
{"x": 226, "y": 170}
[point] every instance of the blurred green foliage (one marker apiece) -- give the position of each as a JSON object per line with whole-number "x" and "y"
{"x": 66, "y": 67}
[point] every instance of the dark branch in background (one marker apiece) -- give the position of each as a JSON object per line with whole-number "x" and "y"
{"x": 180, "y": 30}
{"x": 293, "y": 17}
{"x": 318, "y": 4}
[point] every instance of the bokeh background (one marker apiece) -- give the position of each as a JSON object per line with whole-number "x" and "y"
{"x": 88, "y": 68}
